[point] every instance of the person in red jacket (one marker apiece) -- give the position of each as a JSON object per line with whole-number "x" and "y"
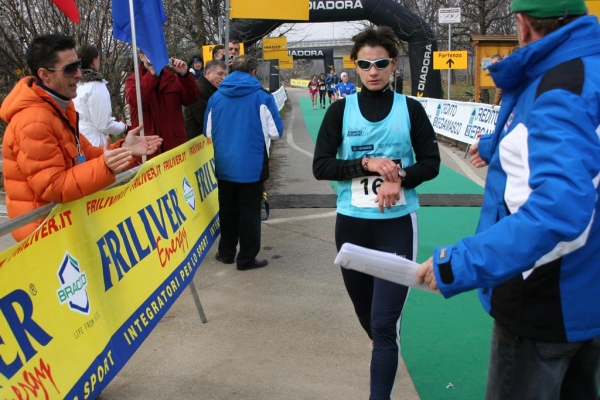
{"x": 163, "y": 95}
{"x": 313, "y": 90}
{"x": 46, "y": 159}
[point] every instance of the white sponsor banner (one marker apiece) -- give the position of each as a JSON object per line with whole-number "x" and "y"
{"x": 280, "y": 97}
{"x": 462, "y": 121}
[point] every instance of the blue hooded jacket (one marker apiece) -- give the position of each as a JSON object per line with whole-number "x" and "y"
{"x": 535, "y": 254}
{"x": 242, "y": 119}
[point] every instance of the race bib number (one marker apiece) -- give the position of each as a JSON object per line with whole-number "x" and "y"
{"x": 365, "y": 189}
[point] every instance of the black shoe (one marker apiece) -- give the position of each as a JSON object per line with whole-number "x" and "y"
{"x": 219, "y": 258}
{"x": 256, "y": 264}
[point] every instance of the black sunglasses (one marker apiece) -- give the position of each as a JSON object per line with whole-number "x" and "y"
{"x": 68, "y": 70}
{"x": 382, "y": 63}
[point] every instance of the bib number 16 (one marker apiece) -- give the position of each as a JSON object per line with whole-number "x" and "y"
{"x": 365, "y": 189}
{"x": 374, "y": 186}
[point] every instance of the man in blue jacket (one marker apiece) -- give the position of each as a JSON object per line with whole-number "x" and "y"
{"x": 331, "y": 81}
{"x": 242, "y": 119}
{"x": 536, "y": 253}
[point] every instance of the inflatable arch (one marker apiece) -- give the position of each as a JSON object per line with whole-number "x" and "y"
{"x": 409, "y": 27}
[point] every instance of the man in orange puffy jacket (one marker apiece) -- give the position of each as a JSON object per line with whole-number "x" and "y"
{"x": 45, "y": 158}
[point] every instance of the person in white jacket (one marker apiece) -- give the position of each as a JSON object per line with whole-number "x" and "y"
{"x": 93, "y": 100}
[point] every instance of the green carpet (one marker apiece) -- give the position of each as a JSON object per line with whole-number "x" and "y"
{"x": 445, "y": 343}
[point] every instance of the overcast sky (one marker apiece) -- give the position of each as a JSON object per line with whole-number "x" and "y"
{"x": 324, "y": 30}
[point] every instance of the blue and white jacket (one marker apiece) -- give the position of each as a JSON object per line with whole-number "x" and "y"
{"x": 242, "y": 119}
{"x": 345, "y": 89}
{"x": 536, "y": 254}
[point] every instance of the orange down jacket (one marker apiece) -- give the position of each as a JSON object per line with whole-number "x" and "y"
{"x": 40, "y": 154}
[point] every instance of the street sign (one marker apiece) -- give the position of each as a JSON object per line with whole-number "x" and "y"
{"x": 449, "y": 16}
{"x": 449, "y": 60}
{"x": 275, "y": 55}
{"x": 208, "y": 49}
{"x": 286, "y": 62}
{"x": 274, "y": 44}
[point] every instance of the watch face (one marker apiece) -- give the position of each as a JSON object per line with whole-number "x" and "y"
{"x": 402, "y": 173}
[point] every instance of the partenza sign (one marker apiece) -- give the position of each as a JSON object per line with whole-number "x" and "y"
{"x": 335, "y": 5}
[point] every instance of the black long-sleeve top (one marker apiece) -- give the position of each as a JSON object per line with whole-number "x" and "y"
{"x": 375, "y": 106}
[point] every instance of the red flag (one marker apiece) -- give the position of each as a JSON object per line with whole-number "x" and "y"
{"x": 69, "y": 8}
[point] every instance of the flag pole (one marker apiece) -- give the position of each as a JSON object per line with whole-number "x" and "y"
{"x": 136, "y": 68}
{"x": 226, "y": 44}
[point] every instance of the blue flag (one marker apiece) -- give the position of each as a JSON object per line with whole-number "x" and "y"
{"x": 149, "y": 18}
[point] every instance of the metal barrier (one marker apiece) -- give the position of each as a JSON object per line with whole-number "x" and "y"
{"x": 43, "y": 211}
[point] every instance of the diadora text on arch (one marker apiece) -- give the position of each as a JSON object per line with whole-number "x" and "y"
{"x": 305, "y": 53}
{"x": 335, "y": 5}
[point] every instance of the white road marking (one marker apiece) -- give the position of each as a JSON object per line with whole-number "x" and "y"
{"x": 461, "y": 164}
{"x": 290, "y": 136}
{"x": 300, "y": 218}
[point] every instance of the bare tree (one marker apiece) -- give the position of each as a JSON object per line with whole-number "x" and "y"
{"x": 189, "y": 26}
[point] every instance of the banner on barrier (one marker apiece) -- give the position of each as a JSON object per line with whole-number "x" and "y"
{"x": 299, "y": 83}
{"x": 80, "y": 295}
{"x": 459, "y": 120}
{"x": 280, "y": 97}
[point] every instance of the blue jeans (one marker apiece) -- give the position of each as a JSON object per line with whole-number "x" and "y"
{"x": 527, "y": 369}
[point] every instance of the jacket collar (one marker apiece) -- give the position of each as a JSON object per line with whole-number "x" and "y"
{"x": 205, "y": 86}
{"x": 89, "y": 75}
{"x": 61, "y": 100}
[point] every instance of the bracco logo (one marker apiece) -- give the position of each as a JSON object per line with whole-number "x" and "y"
{"x": 73, "y": 283}
{"x": 305, "y": 53}
{"x": 188, "y": 194}
{"x": 335, "y": 5}
{"x": 352, "y": 132}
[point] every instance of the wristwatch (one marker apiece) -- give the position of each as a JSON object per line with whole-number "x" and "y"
{"x": 402, "y": 173}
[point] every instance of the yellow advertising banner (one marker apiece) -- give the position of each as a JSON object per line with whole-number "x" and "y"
{"x": 485, "y": 54}
{"x": 208, "y": 49}
{"x": 348, "y": 63}
{"x": 299, "y": 83}
{"x": 593, "y": 7}
{"x": 275, "y": 44}
{"x": 295, "y": 10}
{"x": 286, "y": 62}
{"x": 276, "y": 55}
{"x": 81, "y": 294}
